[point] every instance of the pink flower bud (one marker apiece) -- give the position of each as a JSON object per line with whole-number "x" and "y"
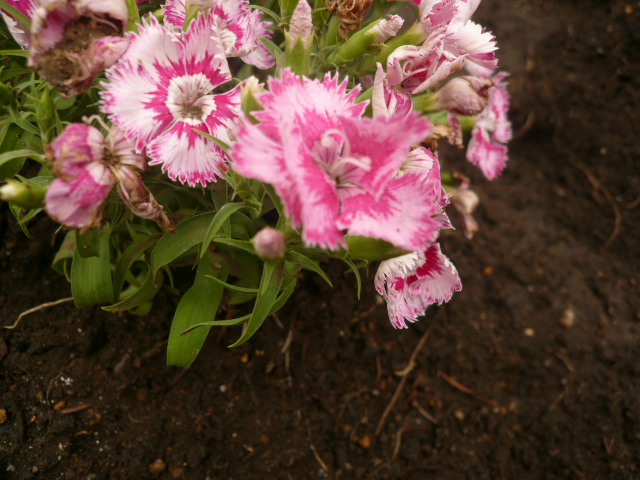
{"x": 73, "y": 40}
{"x": 387, "y": 27}
{"x": 464, "y": 95}
{"x": 301, "y": 25}
{"x": 270, "y": 244}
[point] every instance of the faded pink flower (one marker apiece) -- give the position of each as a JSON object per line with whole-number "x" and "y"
{"x": 467, "y": 95}
{"x": 20, "y": 32}
{"x": 161, "y": 94}
{"x": 333, "y": 169}
{"x": 412, "y": 282}
{"x": 74, "y": 40}
{"x": 462, "y": 36}
{"x": 238, "y": 26}
{"x": 87, "y": 167}
{"x": 416, "y": 69}
{"x": 487, "y": 149}
{"x": 388, "y": 101}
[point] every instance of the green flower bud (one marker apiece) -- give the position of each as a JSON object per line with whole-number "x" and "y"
{"x": 24, "y": 195}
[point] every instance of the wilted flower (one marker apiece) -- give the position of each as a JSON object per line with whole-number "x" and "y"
{"x": 270, "y": 244}
{"x": 161, "y": 94}
{"x": 334, "y": 170}
{"x": 87, "y": 167}
{"x": 73, "y": 40}
{"x": 20, "y": 32}
{"x": 465, "y": 201}
{"x": 412, "y": 282}
{"x": 487, "y": 149}
{"x": 350, "y": 13}
{"x": 466, "y": 95}
{"x": 419, "y": 68}
{"x": 238, "y": 26}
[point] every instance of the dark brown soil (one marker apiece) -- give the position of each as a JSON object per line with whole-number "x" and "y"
{"x": 531, "y": 372}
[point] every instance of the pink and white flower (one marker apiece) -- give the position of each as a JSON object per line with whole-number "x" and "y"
{"x": 239, "y": 26}
{"x": 388, "y": 101}
{"x": 462, "y": 36}
{"x": 72, "y": 41}
{"x": 487, "y": 149}
{"x": 161, "y": 94}
{"x": 20, "y": 32}
{"x": 335, "y": 170}
{"x": 412, "y": 282}
{"x": 87, "y": 167}
{"x": 416, "y": 69}
{"x": 453, "y": 41}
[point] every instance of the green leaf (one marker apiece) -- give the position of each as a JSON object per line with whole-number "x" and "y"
{"x": 273, "y": 48}
{"x": 356, "y": 272}
{"x": 130, "y": 255}
{"x": 267, "y": 11}
{"x": 241, "y": 244}
{"x": 215, "y": 140}
{"x": 308, "y": 264}
{"x": 172, "y": 245}
{"x": 234, "y": 288}
{"x": 139, "y": 296}
{"x": 64, "y": 256}
{"x": 88, "y": 244}
{"x": 198, "y": 305}
{"x": 9, "y": 156}
{"x": 272, "y": 275}
{"x": 17, "y": 15}
{"x": 221, "y": 216}
{"x": 91, "y": 277}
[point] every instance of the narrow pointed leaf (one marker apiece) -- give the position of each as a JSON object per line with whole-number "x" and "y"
{"x": 91, "y": 277}
{"x": 198, "y": 305}
{"x": 219, "y": 219}
{"x": 308, "y": 264}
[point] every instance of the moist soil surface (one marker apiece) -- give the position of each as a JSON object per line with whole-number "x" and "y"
{"x": 531, "y": 372}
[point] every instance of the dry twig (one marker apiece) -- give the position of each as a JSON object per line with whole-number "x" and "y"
{"x": 36, "y": 309}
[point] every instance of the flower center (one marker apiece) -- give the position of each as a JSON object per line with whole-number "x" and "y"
{"x": 333, "y": 154}
{"x": 187, "y": 98}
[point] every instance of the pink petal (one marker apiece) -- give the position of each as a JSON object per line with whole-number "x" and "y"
{"x": 403, "y": 215}
{"x": 78, "y": 204}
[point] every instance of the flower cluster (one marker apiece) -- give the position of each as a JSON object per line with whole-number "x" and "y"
{"x": 339, "y": 136}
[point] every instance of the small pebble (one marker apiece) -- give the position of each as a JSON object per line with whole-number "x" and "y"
{"x": 3, "y": 416}
{"x": 177, "y": 472}
{"x": 459, "y": 414}
{"x": 158, "y": 466}
{"x": 529, "y": 332}
{"x": 223, "y": 388}
{"x": 568, "y": 318}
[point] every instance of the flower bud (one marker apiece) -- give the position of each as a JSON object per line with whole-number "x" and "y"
{"x": 373, "y": 35}
{"x": 270, "y": 244}
{"x": 250, "y": 91}
{"x": 299, "y": 39}
{"x": 73, "y": 40}
{"x": 463, "y": 95}
{"x": 24, "y": 195}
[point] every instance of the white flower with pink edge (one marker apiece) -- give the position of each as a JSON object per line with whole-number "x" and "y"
{"x": 487, "y": 149}
{"x": 412, "y": 282}
{"x": 239, "y": 26}
{"x": 160, "y": 93}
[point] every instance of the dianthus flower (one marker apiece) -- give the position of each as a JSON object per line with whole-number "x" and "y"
{"x": 88, "y": 166}
{"x": 453, "y": 41}
{"x": 487, "y": 149}
{"x": 160, "y": 93}
{"x": 18, "y": 31}
{"x": 412, "y": 282}
{"x": 335, "y": 170}
{"x": 73, "y": 41}
{"x": 239, "y": 27}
